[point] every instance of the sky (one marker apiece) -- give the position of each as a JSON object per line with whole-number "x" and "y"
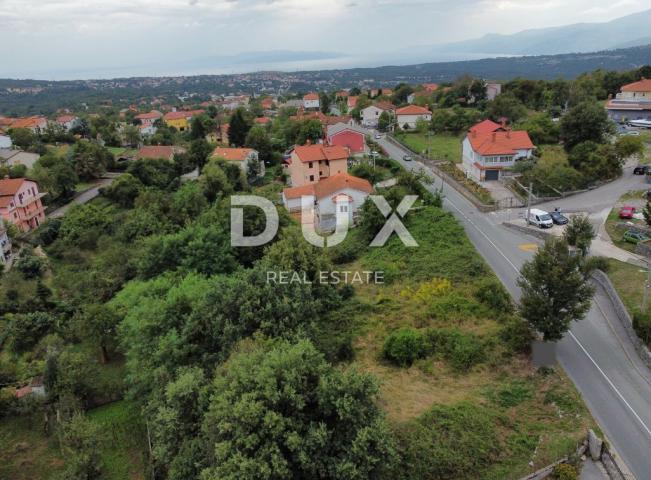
{"x": 61, "y": 39}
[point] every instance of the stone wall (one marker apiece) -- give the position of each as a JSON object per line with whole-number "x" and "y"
{"x": 534, "y": 231}
{"x": 623, "y": 316}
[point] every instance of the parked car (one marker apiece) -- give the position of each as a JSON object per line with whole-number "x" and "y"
{"x": 640, "y": 170}
{"x": 407, "y": 158}
{"x": 378, "y": 136}
{"x": 558, "y": 218}
{"x": 540, "y": 218}
{"x": 627, "y": 212}
{"x": 631, "y": 236}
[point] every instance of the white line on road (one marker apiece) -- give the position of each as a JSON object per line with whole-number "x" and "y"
{"x": 612, "y": 385}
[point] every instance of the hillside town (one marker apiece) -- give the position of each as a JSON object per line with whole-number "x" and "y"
{"x": 127, "y": 308}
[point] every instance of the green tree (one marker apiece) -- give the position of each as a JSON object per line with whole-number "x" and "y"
{"x": 555, "y": 292}
{"x": 587, "y": 121}
{"x": 579, "y": 233}
{"x": 508, "y": 106}
{"x": 258, "y": 140}
{"x": 90, "y": 160}
{"x": 311, "y": 130}
{"x": 325, "y": 101}
{"x": 132, "y": 135}
{"x": 26, "y": 329}
{"x": 23, "y": 138}
{"x": 214, "y": 182}
{"x": 314, "y": 433}
{"x": 628, "y": 146}
{"x": 238, "y": 129}
{"x": 98, "y": 323}
{"x": 647, "y": 213}
{"x": 123, "y": 190}
{"x": 384, "y": 122}
{"x": 80, "y": 442}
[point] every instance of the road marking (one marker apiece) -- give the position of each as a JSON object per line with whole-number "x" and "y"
{"x": 528, "y": 247}
{"x": 612, "y": 385}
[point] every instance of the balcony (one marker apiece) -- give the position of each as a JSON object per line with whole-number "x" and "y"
{"x": 31, "y": 214}
{"x": 28, "y": 201}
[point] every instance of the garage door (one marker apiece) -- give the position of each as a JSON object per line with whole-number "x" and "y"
{"x": 492, "y": 174}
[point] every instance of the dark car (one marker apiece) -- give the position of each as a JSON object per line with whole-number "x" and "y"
{"x": 640, "y": 170}
{"x": 558, "y": 218}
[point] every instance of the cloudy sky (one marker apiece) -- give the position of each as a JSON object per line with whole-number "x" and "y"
{"x": 100, "y": 38}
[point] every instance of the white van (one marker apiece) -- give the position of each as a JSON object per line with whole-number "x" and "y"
{"x": 540, "y": 218}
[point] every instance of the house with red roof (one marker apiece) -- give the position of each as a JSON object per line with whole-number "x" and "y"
{"x": 311, "y": 101}
{"x": 68, "y": 121}
{"x": 35, "y": 124}
{"x": 632, "y": 103}
{"x": 487, "y": 126}
{"x": 149, "y": 118}
{"x": 310, "y": 164}
{"x": 20, "y": 203}
{"x": 488, "y": 154}
{"x": 407, "y": 117}
{"x": 335, "y": 199}
{"x": 262, "y": 121}
{"x": 243, "y": 157}
{"x": 370, "y": 116}
{"x": 153, "y": 152}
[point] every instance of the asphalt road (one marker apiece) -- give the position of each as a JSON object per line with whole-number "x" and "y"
{"x": 598, "y": 358}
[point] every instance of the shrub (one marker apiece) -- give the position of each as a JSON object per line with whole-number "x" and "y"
{"x": 565, "y": 471}
{"x": 642, "y": 326}
{"x": 512, "y": 394}
{"x": 493, "y": 294}
{"x": 30, "y": 266}
{"x": 404, "y": 346}
{"x": 596, "y": 263}
{"x": 517, "y": 335}
{"x": 49, "y": 231}
{"x": 462, "y": 350}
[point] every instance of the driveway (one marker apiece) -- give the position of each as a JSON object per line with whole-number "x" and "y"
{"x": 614, "y": 383}
{"x": 83, "y": 197}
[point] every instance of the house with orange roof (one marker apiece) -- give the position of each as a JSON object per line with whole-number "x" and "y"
{"x": 487, "y": 126}
{"x": 68, "y": 121}
{"x": 35, "y": 124}
{"x": 152, "y": 152}
{"x": 267, "y": 103}
{"x": 310, "y": 164}
{"x": 245, "y": 158}
{"x": 149, "y": 118}
{"x": 262, "y": 121}
{"x": 488, "y": 154}
{"x": 311, "y": 101}
{"x": 407, "y": 117}
{"x": 632, "y": 103}
{"x": 20, "y": 203}
{"x": 334, "y": 199}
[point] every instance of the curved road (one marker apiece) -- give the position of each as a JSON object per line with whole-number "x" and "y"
{"x": 597, "y": 356}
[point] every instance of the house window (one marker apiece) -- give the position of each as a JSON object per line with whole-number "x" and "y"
{"x": 311, "y": 178}
{"x": 327, "y": 163}
{"x": 309, "y": 165}
{"x": 343, "y": 208}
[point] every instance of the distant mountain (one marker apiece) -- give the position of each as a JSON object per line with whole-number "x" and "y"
{"x": 629, "y": 31}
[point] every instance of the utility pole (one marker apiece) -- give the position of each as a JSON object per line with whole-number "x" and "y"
{"x": 529, "y": 192}
{"x": 647, "y": 286}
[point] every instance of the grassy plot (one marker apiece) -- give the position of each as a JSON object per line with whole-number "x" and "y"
{"x": 616, "y": 227}
{"x": 440, "y": 147}
{"x": 472, "y": 407}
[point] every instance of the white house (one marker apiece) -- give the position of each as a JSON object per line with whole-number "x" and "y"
{"x": 5, "y": 141}
{"x": 370, "y": 115}
{"x": 147, "y": 129}
{"x": 240, "y": 156}
{"x": 336, "y": 198}
{"x": 493, "y": 90}
{"x": 311, "y": 101}
{"x": 411, "y": 114}
{"x": 486, "y": 155}
{"x": 68, "y": 121}
{"x": 149, "y": 118}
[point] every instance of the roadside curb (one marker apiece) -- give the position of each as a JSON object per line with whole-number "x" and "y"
{"x": 623, "y": 316}
{"x": 541, "y": 234}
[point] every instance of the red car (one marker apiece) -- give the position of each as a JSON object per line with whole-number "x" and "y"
{"x": 626, "y": 211}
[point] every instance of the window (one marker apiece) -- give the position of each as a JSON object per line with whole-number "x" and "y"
{"x": 327, "y": 163}
{"x": 343, "y": 208}
{"x": 311, "y": 178}
{"x": 309, "y": 165}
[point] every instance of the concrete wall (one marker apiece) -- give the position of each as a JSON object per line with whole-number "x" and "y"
{"x": 623, "y": 316}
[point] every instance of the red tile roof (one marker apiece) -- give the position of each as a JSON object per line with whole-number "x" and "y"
{"x": 388, "y": 106}
{"x": 262, "y": 120}
{"x": 352, "y": 102}
{"x": 152, "y": 152}
{"x": 232, "y": 154}
{"x": 9, "y": 186}
{"x": 624, "y": 105}
{"x": 430, "y": 87}
{"x": 500, "y": 143}
{"x": 311, "y": 96}
{"x": 643, "y": 85}
{"x": 149, "y": 115}
{"x": 413, "y": 110}
{"x": 182, "y": 114}
{"x": 29, "y": 122}
{"x": 329, "y": 185}
{"x": 487, "y": 126}
{"x": 66, "y": 118}
{"x": 314, "y": 153}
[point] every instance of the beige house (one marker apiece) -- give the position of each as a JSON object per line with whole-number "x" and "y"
{"x": 244, "y": 157}
{"x": 310, "y": 163}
